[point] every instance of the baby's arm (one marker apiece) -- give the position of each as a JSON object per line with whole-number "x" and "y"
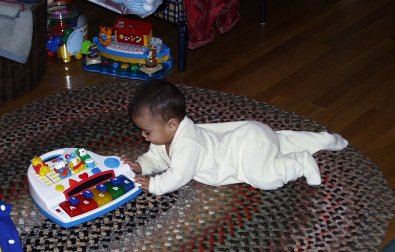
{"x": 186, "y": 158}
{"x": 152, "y": 161}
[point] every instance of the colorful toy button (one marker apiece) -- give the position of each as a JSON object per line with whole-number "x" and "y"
{"x": 59, "y": 188}
{"x": 95, "y": 170}
{"x": 112, "y": 162}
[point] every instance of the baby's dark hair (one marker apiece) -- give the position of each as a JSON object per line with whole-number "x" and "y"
{"x": 160, "y": 98}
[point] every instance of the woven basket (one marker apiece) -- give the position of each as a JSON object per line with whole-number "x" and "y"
{"x": 15, "y": 78}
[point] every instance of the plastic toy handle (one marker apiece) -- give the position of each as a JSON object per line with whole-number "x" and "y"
{"x": 52, "y": 154}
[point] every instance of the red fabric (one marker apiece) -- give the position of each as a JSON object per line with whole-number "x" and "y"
{"x": 203, "y": 15}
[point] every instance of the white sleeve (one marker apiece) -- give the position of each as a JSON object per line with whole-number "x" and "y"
{"x": 187, "y": 157}
{"x": 152, "y": 161}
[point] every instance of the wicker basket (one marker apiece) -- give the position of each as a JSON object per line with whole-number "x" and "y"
{"x": 16, "y": 78}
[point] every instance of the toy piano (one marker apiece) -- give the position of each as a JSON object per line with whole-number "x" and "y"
{"x": 72, "y": 185}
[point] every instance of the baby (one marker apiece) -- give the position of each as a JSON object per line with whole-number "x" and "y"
{"x": 217, "y": 153}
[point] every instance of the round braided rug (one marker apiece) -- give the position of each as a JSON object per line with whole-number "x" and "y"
{"x": 348, "y": 212}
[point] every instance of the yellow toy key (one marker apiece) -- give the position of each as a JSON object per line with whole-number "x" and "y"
{"x": 101, "y": 197}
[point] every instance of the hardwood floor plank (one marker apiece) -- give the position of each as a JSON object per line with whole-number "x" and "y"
{"x": 269, "y": 68}
{"x": 366, "y": 66}
{"x": 309, "y": 78}
{"x": 360, "y": 20}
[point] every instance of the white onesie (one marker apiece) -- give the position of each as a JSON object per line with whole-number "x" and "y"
{"x": 236, "y": 152}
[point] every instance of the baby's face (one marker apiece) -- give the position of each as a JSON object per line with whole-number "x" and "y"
{"x": 154, "y": 130}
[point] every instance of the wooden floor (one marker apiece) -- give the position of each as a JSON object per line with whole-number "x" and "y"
{"x": 331, "y": 61}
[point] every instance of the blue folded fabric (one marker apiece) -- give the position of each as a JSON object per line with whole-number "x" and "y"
{"x": 390, "y": 247}
{"x": 16, "y": 29}
{"x": 141, "y": 8}
{"x": 10, "y": 9}
{"x": 9, "y": 237}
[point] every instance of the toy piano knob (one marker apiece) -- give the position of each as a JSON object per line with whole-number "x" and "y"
{"x": 74, "y": 201}
{"x": 116, "y": 181}
{"x": 87, "y": 194}
{"x": 101, "y": 187}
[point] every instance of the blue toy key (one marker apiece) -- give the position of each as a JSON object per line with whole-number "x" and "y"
{"x": 9, "y": 237}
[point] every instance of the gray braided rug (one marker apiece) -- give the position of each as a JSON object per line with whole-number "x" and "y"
{"x": 348, "y": 212}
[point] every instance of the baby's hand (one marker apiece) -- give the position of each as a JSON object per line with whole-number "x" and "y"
{"x": 143, "y": 180}
{"x": 136, "y": 168}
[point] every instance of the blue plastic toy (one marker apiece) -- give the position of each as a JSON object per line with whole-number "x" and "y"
{"x": 9, "y": 237}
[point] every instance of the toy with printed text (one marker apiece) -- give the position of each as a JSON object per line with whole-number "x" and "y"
{"x": 73, "y": 185}
{"x": 128, "y": 49}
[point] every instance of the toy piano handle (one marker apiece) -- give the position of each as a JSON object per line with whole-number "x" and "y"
{"x": 52, "y": 155}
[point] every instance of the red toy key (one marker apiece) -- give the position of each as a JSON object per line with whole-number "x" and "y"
{"x": 70, "y": 209}
{"x": 86, "y": 204}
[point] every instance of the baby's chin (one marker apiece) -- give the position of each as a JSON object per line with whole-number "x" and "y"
{"x": 156, "y": 142}
{"x": 161, "y": 143}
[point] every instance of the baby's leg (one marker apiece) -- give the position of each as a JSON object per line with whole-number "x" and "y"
{"x": 264, "y": 164}
{"x": 309, "y": 167}
{"x": 297, "y": 141}
{"x": 282, "y": 169}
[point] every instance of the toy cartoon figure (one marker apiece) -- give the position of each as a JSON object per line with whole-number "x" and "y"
{"x": 151, "y": 61}
{"x": 75, "y": 163}
{"x": 105, "y": 35}
{"x": 61, "y": 167}
{"x": 93, "y": 51}
{"x": 39, "y": 166}
{"x": 82, "y": 153}
{"x": 157, "y": 42}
